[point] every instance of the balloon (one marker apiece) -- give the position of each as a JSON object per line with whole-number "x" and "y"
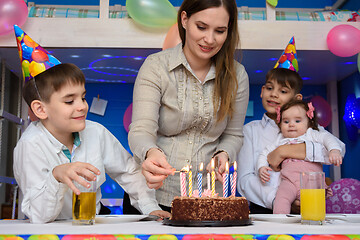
{"x": 344, "y": 40}
{"x": 12, "y": 12}
{"x": 127, "y": 117}
{"x": 359, "y": 62}
{"x": 152, "y": 13}
{"x": 172, "y": 37}
{"x": 322, "y": 109}
{"x": 272, "y": 2}
{"x": 346, "y": 196}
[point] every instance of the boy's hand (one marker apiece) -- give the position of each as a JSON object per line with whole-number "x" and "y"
{"x": 76, "y": 171}
{"x": 160, "y": 213}
{"x": 335, "y": 157}
{"x": 264, "y": 174}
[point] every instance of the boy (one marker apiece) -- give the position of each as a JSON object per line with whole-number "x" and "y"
{"x": 283, "y": 84}
{"x": 63, "y": 147}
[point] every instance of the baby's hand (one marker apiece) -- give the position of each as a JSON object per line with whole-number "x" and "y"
{"x": 335, "y": 157}
{"x": 75, "y": 171}
{"x": 264, "y": 174}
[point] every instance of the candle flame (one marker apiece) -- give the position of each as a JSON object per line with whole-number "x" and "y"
{"x": 201, "y": 166}
{"x": 235, "y": 166}
{"x": 227, "y": 167}
{"x": 185, "y": 169}
{"x": 212, "y": 164}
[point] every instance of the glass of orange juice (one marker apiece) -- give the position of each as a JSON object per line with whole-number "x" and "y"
{"x": 84, "y": 205}
{"x": 312, "y": 198}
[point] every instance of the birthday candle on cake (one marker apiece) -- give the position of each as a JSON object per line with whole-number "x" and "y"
{"x": 233, "y": 180}
{"x": 183, "y": 172}
{"x": 208, "y": 180}
{"x": 199, "y": 178}
{"x": 226, "y": 180}
{"x": 212, "y": 177}
{"x": 190, "y": 182}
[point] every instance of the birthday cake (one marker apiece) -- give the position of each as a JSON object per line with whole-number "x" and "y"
{"x": 209, "y": 209}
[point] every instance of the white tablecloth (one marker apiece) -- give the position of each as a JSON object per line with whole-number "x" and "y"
{"x": 23, "y": 227}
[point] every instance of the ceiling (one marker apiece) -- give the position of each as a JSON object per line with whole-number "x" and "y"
{"x": 121, "y": 65}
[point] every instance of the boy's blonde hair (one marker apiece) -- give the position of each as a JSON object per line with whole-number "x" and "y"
{"x": 43, "y": 85}
{"x": 286, "y": 78}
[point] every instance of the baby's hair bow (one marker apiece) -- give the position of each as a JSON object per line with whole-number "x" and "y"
{"x": 310, "y": 112}
{"x": 277, "y": 109}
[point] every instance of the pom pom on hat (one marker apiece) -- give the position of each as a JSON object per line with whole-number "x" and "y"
{"x": 34, "y": 59}
{"x": 288, "y": 58}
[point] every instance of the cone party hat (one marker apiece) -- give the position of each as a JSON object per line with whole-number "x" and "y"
{"x": 34, "y": 59}
{"x": 288, "y": 58}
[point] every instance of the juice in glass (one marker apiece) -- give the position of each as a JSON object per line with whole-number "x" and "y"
{"x": 312, "y": 204}
{"x": 84, "y": 208}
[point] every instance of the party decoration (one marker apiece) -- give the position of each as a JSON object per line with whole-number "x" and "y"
{"x": 152, "y": 13}
{"x": 322, "y": 109}
{"x": 344, "y": 40}
{"x": 12, "y": 12}
{"x": 352, "y": 116}
{"x": 272, "y": 2}
{"x": 358, "y": 62}
{"x": 346, "y": 197}
{"x": 34, "y": 59}
{"x": 172, "y": 37}
{"x": 288, "y": 58}
{"x": 127, "y": 117}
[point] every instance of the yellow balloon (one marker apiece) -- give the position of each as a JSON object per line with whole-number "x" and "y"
{"x": 36, "y": 68}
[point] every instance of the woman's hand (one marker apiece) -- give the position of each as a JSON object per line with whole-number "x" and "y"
{"x": 75, "y": 171}
{"x": 155, "y": 168}
{"x": 220, "y": 161}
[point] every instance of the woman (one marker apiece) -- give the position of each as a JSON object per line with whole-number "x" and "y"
{"x": 190, "y": 101}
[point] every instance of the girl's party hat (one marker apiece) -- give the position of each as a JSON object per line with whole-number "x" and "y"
{"x": 34, "y": 59}
{"x": 288, "y": 58}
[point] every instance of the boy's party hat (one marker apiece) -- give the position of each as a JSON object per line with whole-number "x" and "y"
{"x": 34, "y": 59}
{"x": 288, "y": 58}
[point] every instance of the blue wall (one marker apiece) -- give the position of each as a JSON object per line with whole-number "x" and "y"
{"x": 351, "y": 165}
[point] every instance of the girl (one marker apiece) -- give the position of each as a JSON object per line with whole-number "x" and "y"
{"x": 297, "y": 122}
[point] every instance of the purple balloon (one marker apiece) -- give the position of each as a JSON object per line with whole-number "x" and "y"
{"x": 127, "y": 117}
{"x": 12, "y": 12}
{"x": 346, "y": 197}
{"x": 344, "y": 40}
{"x": 322, "y": 109}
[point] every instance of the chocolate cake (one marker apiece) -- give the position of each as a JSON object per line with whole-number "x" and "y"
{"x": 209, "y": 209}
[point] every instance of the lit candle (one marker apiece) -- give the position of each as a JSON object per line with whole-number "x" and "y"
{"x": 233, "y": 180}
{"x": 199, "y": 178}
{"x": 190, "y": 182}
{"x": 208, "y": 180}
{"x": 212, "y": 177}
{"x": 183, "y": 172}
{"x": 226, "y": 180}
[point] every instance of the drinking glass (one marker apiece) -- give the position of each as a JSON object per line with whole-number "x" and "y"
{"x": 312, "y": 198}
{"x": 84, "y": 205}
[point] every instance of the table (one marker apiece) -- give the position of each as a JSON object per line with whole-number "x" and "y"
{"x": 64, "y": 230}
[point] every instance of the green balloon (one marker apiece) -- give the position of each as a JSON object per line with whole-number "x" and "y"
{"x": 359, "y": 62}
{"x": 152, "y": 13}
{"x": 272, "y": 2}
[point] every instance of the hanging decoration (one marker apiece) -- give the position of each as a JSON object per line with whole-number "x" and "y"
{"x": 12, "y": 12}
{"x": 352, "y": 116}
{"x": 152, "y": 13}
{"x": 344, "y": 40}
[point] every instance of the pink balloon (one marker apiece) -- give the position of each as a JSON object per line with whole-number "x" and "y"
{"x": 172, "y": 37}
{"x": 127, "y": 117}
{"x": 12, "y": 12}
{"x": 323, "y": 110}
{"x": 344, "y": 40}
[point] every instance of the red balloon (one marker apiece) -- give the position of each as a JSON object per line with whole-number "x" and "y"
{"x": 39, "y": 56}
{"x": 323, "y": 110}
{"x": 127, "y": 117}
{"x": 172, "y": 37}
{"x": 344, "y": 40}
{"x": 12, "y": 12}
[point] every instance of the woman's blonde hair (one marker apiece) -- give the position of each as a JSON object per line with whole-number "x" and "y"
{"x": 224, "y": 91}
